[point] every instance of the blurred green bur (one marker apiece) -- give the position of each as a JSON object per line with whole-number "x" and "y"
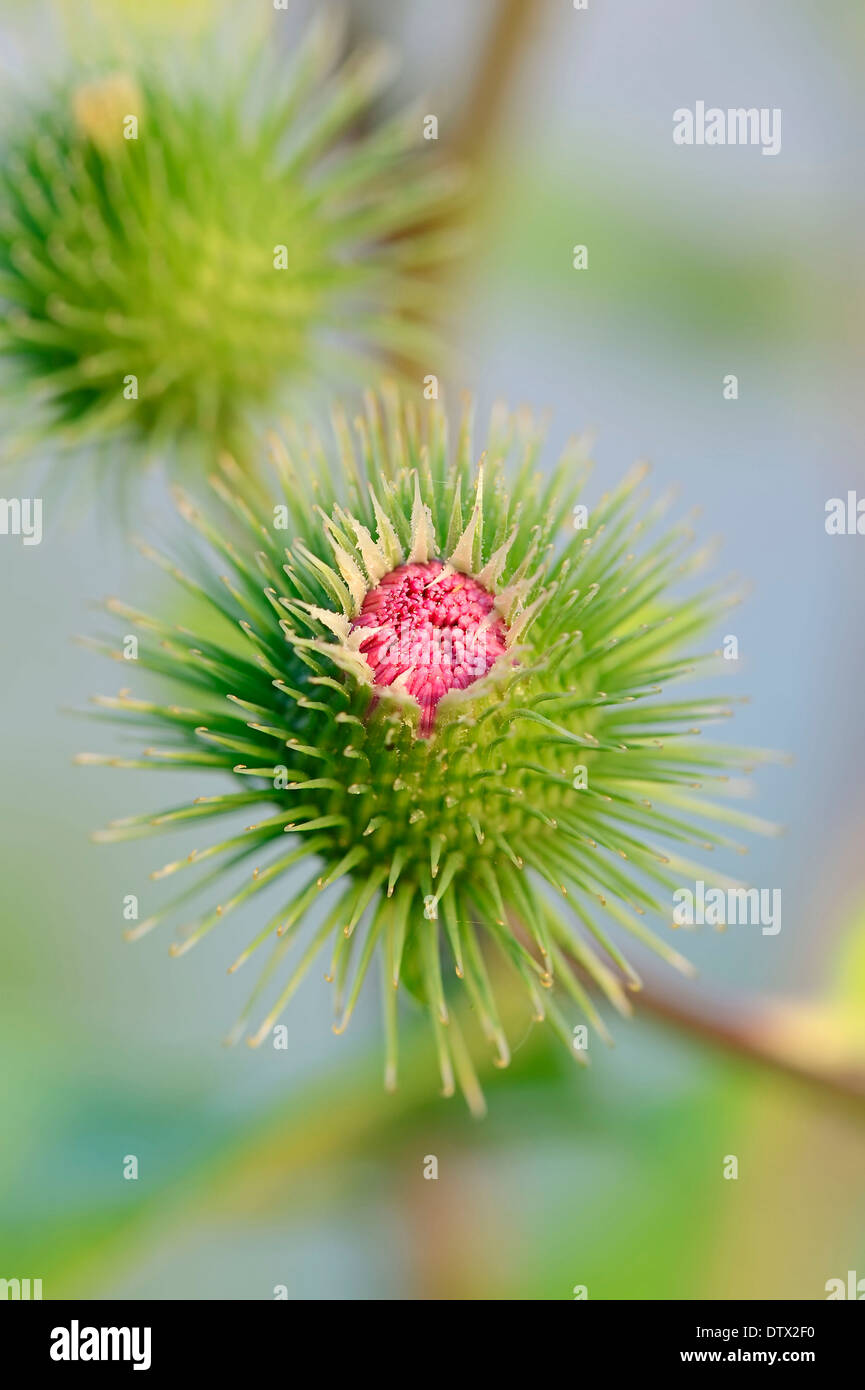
{"x": 181, "y": 242}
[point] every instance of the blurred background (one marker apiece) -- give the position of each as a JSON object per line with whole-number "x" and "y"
{"x": 293, "y": 1169}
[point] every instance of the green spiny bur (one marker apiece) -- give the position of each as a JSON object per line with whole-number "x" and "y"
{"x": 542, "y": 814}
{"x": 179, "y": 251}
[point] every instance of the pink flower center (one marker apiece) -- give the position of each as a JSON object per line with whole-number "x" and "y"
{"x": 438, "y": 629}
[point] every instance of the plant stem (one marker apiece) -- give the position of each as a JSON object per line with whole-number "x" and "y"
{"x": 505, "y": 47}
{"x": 779, "y": 1035}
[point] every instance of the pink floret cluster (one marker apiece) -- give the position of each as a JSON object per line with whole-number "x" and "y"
{"x": 440, "y": 627}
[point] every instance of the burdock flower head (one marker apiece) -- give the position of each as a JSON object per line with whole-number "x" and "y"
{"x": 449, "y": 690}
{"x": 178, "y": 250}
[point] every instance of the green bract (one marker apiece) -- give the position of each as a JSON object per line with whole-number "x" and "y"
{"x": 174, "y": 252}
{"x": 556, "y": 796}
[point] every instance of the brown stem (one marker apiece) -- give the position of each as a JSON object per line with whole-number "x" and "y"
{"x": 505, "y": 46}
{"x": 763, "y": 1033}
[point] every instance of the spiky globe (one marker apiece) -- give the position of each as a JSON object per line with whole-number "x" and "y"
{"x": 450, "y": 694}
{"x": 175, "y": 253}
